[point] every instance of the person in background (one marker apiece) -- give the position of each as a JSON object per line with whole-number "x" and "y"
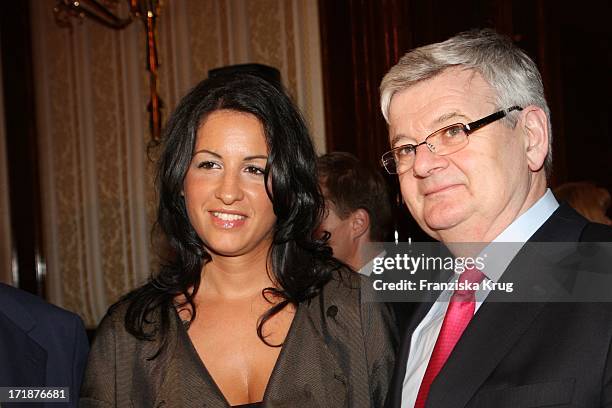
{"x": 590, "y": 201}
{"x": 251, "y": 310}
{"x": 470, "y": 138}
{"x": 41, "y": 345}
{"x": 357, "y": 209}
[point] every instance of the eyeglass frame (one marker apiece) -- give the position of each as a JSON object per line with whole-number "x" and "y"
{"x": 468, "y": 129}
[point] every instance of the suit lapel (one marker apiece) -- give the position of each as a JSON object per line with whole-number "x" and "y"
{"x": 195, "y": 382}
{"x": 176, "y": 377}
{"x": 306, "y": 373}
{"x": 488, "y": 338}
{"x": 24, "y": 362}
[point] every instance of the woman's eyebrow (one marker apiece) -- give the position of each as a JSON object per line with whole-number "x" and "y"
{"x": 256, "y": 157}
{"x": 207, "y": 151}
{"x": 247, "y": 158}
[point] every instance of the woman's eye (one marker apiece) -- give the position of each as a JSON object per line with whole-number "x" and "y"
{"x": 254, "y": 170}
{"x": 208, "y": 165}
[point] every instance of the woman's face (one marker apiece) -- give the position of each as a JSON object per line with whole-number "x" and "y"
{"x": 224, "y": 189}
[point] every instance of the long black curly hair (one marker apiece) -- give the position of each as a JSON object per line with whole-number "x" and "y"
{"x": 300, "y": 264}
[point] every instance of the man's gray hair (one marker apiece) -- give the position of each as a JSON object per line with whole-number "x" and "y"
{"x": 506, "y": 68}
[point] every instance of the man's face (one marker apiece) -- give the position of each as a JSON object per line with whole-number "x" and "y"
{"x": 472, "y": 194}
{"x": 340, "y": 239}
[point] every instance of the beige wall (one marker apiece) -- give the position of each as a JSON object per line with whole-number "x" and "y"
{"x": 92, "y": 89}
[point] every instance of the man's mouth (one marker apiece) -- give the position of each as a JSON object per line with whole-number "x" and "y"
{"x": 440, "y": 189}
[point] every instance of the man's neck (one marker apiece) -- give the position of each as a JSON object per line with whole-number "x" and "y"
{"x": 366, "y": 250}
{"x": 475, "y": 233}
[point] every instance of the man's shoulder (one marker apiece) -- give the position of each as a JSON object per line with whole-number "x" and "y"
{"x": 567, "y": 225}
{"x": 594, "y": 232}
{"x": 19, "y": 305}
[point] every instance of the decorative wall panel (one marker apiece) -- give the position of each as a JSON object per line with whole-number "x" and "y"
{"x": 92, "y": 88}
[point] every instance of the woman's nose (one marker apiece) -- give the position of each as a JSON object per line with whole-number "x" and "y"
{"x": 229, "y": 189}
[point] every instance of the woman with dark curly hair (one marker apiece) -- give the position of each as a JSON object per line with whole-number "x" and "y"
{"x": 250, "y": 309}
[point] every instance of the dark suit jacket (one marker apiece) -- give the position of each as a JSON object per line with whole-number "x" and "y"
{"x": 40, "y": 345}
{"x": 338, "y": 353}
{"x": 530, "y": 354}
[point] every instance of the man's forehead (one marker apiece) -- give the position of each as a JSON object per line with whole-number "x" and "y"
{"x": 453, "y": 94}
{"x": 465, "y": 84}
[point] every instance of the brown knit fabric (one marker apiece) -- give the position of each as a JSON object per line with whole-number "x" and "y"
{"x": 338, "y": 353}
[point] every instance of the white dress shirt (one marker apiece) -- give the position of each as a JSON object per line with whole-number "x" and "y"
{"x": 425, "y": 335}
{"x": 367, "y": 268}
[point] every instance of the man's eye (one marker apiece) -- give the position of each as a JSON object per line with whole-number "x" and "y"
{"x": 208, "y": 165}
{"x": 405, "y": 150}
{"x": 254, "y": 170}
{"x": 453, "y": 132}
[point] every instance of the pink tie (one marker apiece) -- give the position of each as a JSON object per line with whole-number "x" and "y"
{"x": 459, "y": 313}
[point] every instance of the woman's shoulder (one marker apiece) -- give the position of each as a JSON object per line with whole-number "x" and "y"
{"x": 350, "y": 293}
{"x": 344, "y": 308}
{"x": 130, "y": 349}
{"x": 343, "y": 284}
{"x": 134, "y": 317}
{"x": 112, "y": 326}
{"x": 346, "y": 288}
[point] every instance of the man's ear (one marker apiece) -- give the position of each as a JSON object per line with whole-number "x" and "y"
{"x": 534, "y": 124}
{"x": 360, "y": 223}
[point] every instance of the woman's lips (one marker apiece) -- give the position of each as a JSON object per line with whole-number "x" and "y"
{"x": 228, "y": 220}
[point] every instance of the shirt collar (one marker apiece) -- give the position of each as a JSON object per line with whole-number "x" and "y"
{"x": 521, "y": 229}
{"x": 367, "y": 268}
{"x": 516, "y": 234}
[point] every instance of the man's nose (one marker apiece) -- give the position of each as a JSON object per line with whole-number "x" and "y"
{"x": 426, "y": 162}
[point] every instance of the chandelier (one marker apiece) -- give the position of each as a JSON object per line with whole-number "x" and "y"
{"x": 112, "y": 14}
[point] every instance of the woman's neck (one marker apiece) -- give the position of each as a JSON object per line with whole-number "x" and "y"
{"x": 237, "y": 276}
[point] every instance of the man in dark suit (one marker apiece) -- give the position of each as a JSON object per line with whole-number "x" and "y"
{"x": 40, "y": 345}
{"x": 471, "y": 144}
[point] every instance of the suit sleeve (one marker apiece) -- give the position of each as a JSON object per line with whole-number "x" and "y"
{"x": 381, "y": 339}
{"x": 99, "y": 384}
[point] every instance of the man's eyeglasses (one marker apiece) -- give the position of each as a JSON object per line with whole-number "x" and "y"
{"x": 447, "y": 140}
